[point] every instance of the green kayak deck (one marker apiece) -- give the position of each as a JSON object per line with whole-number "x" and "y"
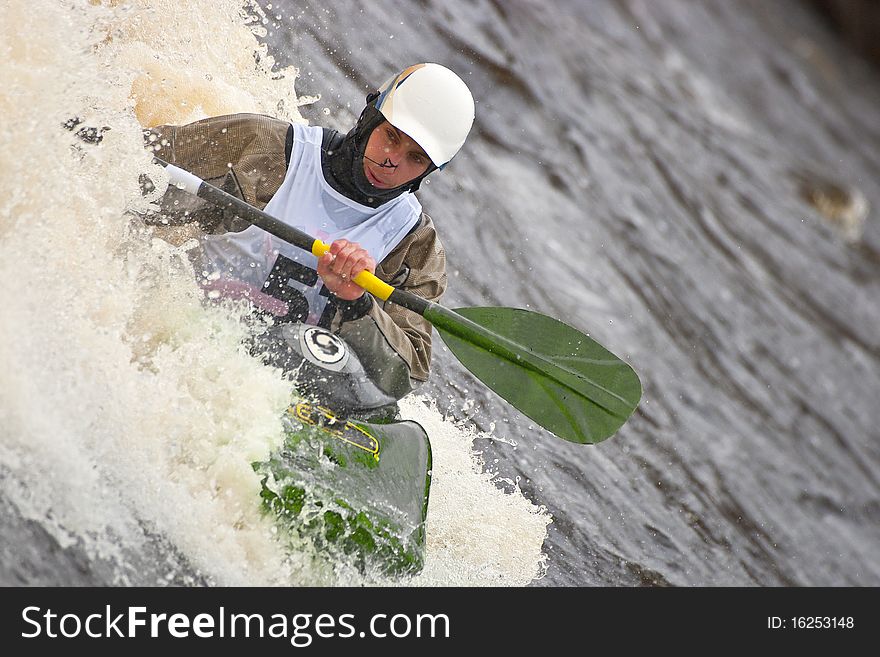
{"x": 357, "y": 488}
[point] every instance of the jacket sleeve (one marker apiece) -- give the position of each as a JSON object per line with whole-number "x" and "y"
{"x": 250, "y": 147}
{"x": 389, "y": 337}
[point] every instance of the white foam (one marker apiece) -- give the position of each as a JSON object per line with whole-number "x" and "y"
{"x": 125, "y": 405}
{"x": 478, "y": 535}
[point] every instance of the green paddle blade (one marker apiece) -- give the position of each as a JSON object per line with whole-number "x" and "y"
{"x": 553, "y": 373}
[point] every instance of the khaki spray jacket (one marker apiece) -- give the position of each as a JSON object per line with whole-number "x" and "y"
{"x": 247, "y": 155}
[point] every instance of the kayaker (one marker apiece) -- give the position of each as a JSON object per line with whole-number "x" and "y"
{"x": 354, "y": 190}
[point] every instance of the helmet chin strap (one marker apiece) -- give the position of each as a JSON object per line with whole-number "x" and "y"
{"x": 385, "y": 165}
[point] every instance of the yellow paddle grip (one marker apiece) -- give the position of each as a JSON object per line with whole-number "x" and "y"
{"x": 378, "y": 288}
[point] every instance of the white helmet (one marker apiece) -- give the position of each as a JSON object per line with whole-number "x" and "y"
{"x": 432, "y": 105}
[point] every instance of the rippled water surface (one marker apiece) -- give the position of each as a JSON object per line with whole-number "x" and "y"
{"x": 692, "y": 184}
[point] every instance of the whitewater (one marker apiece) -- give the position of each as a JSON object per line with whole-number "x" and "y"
{"x": 130, "y": 413}
{"x": 693, "y": 185}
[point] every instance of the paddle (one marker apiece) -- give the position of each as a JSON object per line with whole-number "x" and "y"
{"x": 562, "y": 379}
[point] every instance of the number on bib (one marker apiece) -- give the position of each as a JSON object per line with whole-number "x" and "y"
{"x": 288, "y": 281}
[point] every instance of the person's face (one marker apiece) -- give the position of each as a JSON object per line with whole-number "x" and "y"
{"x": 403, "y": 159}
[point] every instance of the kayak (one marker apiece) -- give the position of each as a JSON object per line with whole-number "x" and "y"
{"x": 353, "y": 480}
{"x": 358, "y": 489}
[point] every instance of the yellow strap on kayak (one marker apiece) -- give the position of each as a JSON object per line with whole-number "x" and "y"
{"x": 378, "y": 288}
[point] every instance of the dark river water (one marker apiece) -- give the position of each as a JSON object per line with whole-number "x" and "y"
{"x": 695, "y": 185}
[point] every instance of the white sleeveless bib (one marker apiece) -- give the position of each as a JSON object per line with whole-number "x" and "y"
{"x": 239, "y": 264}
